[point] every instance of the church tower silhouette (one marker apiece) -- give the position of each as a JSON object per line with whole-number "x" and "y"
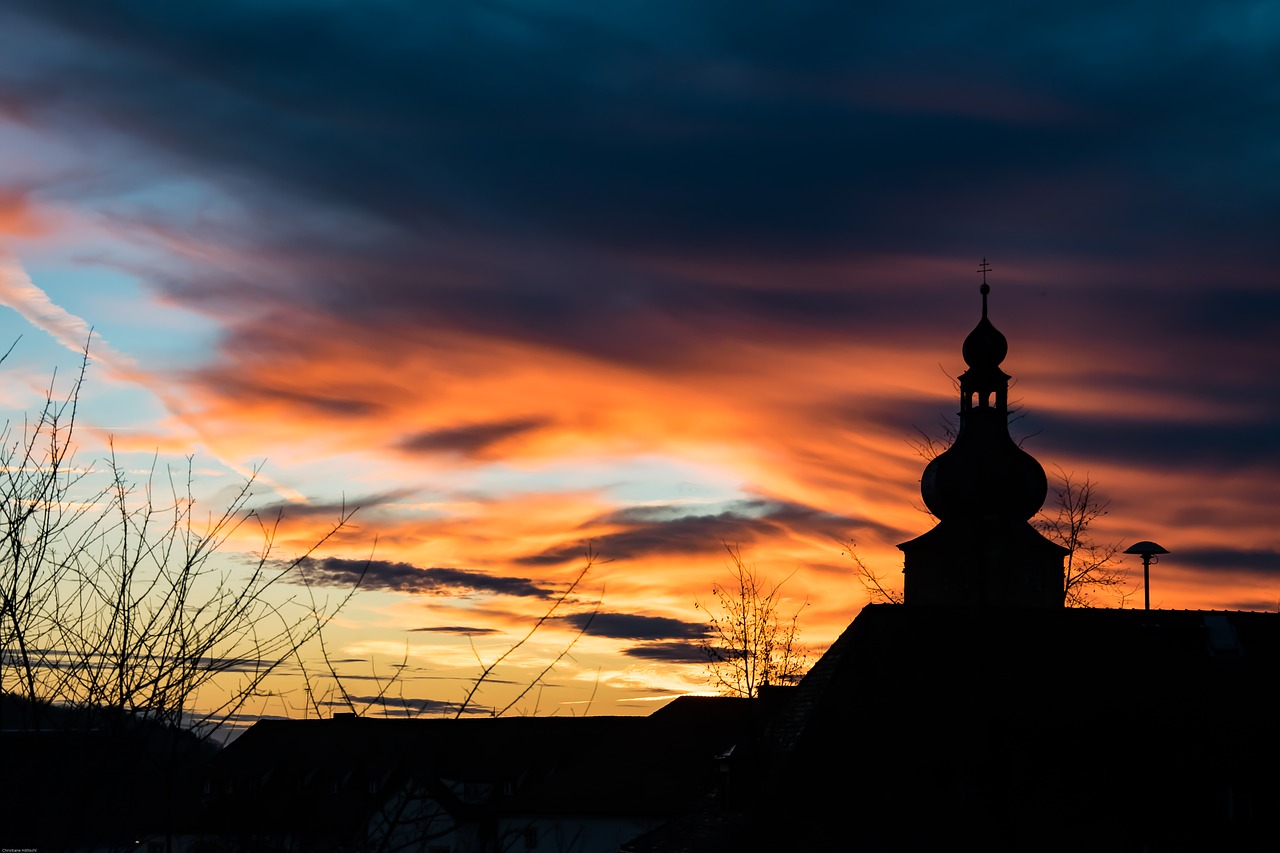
{"x": 983, "y": 490}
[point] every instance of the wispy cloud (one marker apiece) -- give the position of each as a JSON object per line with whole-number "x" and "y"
{"x": 674, "y": 529}
{"x": 474, "y": 440}
{"x": 404, "y": 577}
{"x": 670, "y": 652}
{"x": 18, "y": 292}
{"x": 1263, "y": 562}
{"x": 631, "y": 626}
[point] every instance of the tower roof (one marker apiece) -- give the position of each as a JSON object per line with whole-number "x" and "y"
{"x": 984, "y": 474}
{"x": 983, "y": 489}
{"x": 985, "y": 347}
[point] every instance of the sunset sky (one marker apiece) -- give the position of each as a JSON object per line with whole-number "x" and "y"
{"x": 516, "y": 276}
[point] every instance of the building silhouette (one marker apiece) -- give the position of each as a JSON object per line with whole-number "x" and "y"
{"x": 984, "y": 489}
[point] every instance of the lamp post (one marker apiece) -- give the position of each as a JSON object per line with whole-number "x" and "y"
{"x": 1148, "y": 550}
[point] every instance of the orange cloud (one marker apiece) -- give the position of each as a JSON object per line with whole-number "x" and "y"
{"x": 19, "y": 216}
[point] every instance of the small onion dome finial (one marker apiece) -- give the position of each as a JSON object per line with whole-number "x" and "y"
{"x": 985, "y": 346}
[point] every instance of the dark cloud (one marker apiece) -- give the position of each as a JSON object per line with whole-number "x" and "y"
{"x": 672, "y": 652}
{"x": 1210, "y": 312}
{"x": 1159, "y": 441}
{"x": 778, "y": 129}
{"x": 405, "y": 577}
{"x": 1264, "y": 562}
{"x": 333, "y": 509}
{"x": 630, "y": 626}
{"x": 458, "y": 629}
{"x": 328, "y": 405}
{"x": 471, "y": 440}
{"x": 669, "y": 529}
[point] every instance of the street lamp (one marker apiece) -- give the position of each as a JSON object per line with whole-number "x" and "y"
{"x": 1148, "y": 550}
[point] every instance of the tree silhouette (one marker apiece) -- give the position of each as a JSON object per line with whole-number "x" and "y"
{"x": 111, "y": 602}
{"x": 750, "y": 644}
{"x": 1092, "y": 568}
{"x": 878, "y": 589}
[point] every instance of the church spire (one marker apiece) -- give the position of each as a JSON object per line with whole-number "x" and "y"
{"x": 984, "y": 472}
{"x": 983, "y": 489}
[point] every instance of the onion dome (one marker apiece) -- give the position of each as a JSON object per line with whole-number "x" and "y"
{"x": 978, "y": 477}
{"x": 984, "y": 474}
{"x": 985, "y": 347}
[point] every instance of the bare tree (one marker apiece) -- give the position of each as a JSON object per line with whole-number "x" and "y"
{"x": 750, "y": 643}
{"x": 878, "y": 589}
{"x": 1093, "y": 568}
{"x": 112, "y": 604}
{"x": 1093, "y": 571}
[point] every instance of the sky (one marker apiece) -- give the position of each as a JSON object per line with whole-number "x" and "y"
{"x": 526, "y": 280}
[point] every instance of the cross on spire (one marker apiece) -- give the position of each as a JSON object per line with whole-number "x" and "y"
{"x": 984, "y": 268}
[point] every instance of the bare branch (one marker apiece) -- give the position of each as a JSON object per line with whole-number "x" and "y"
{"x": 872, "y": 582}
{"x": 748, "y": 645}
{"x": 1093, "y": 570}
{"x": 487, "y": 671}
{"x": 112, "y": 603}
